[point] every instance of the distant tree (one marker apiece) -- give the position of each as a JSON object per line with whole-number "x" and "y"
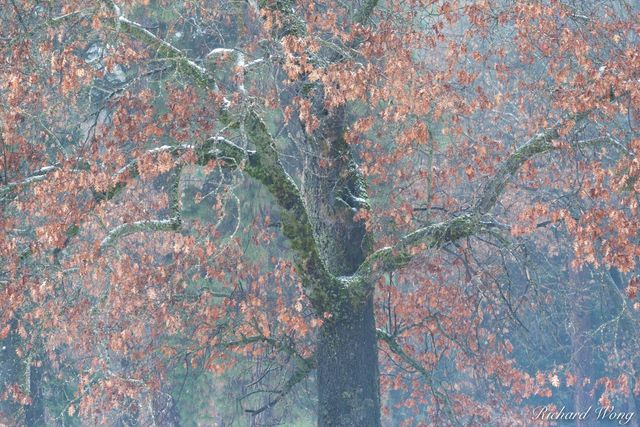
{"x": 289, "y": 187}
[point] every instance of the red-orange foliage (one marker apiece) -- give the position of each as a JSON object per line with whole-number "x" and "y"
{"x": 103, "y": 123}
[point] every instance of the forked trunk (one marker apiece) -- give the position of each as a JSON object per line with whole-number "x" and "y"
{"x": 347, "y": 351}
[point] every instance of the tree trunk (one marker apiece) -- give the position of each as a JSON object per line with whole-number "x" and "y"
{"x": 348, "y": 390}
{"x": 347, "y": 351}
{"x": 34, "y": 412}
{"x": 9, "y": 374}
{"x": 581, "y": 346}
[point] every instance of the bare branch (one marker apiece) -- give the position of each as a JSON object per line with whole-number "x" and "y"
{"x": 395, "y": 348}
{"x": 303, "y": 368}
{"x": 220, "y": 51}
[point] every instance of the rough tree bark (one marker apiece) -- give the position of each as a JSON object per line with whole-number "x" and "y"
{"x": 581, "y": 346}
{"x": 347, "y": 351}
{"x": 347, "y": 357}
{"x": 35, "y": 412}
{"x": 9, "y": 371}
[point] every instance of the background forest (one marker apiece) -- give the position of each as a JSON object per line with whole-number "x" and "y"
{"x": 318, "y": 212}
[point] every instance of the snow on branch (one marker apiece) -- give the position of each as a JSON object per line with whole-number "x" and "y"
{"x": 476, "y": 220}
{"x": 171, "y": 224}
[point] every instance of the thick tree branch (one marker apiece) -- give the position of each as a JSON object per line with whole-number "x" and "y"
{"x": 166, "y": 50}
{"x": 171, "y": 224}
{"x": 8, "y": 191}
{"x": 433, "y": 236}
{"x": 265, "y": 167}
{"x": 540, "y": 144}
{"x": 475, "y": 221}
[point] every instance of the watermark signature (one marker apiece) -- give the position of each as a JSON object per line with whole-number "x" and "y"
{"x": 599, "y": 413}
